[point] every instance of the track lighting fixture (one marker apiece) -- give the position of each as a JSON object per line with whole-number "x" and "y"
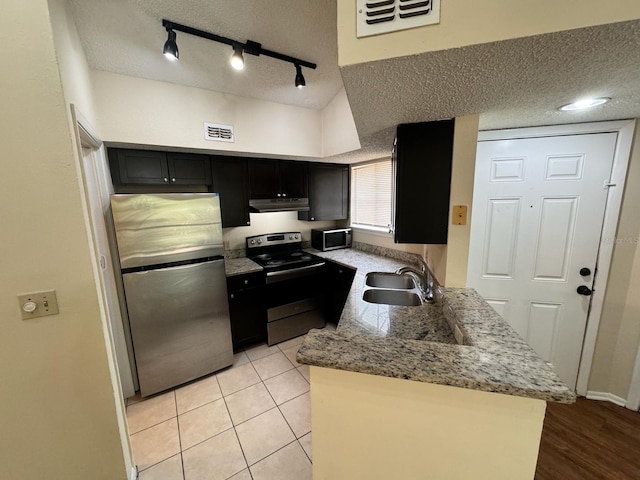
{"x": 237, "y": 61}
{"x": 170, "y": 49}
{"x": 299, "y": 77}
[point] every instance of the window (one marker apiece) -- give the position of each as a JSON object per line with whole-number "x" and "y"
{"x": 371, "y": 195}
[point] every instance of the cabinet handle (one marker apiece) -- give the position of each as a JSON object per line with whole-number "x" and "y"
{"x": 284, "y": 194}
{"x": 165, "y": 179}
{"x": 248, "y": 222}
{"x": 173, "y": 180}
{"x": 231, "y": 296}
{"x": 313, "y": 218}
{"x": 246, "y": 282}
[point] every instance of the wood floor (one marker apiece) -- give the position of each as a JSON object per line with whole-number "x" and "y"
{"x": 589, "y": 440}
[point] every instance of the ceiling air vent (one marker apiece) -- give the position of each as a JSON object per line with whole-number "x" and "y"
{"x": 384, "y": 16}
{"x": 218, "y": 133}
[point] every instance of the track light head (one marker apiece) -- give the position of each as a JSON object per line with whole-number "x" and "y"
{"x": 237, "y": 61}
{"x": 170, "y": 49}
{"x": 299, "y": 77}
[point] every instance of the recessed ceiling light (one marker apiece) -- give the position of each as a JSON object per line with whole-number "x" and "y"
{"x": 584, "y": 103}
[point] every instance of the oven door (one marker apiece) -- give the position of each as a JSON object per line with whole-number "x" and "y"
{"x": 295, "y": 302}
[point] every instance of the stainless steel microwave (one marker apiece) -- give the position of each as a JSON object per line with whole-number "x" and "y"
{"x": 331, "y": 238}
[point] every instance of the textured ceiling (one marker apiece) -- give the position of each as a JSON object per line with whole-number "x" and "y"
{"x": 127, "y": 36}
{"x": 513, "y": 83}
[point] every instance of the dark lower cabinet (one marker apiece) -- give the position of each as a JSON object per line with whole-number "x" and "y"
{"x": 338, "y": 281}
{"x": 422, "y": 162}
{"x": 230, "y": 181}
{"x": 247, "y": 309}
{"x": 328, "y": 192}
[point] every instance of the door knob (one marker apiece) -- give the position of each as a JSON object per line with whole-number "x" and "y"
{"x": 585, "y": 272}
{"x": 584, "y": 290}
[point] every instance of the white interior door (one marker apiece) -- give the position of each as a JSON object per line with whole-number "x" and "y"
{"x": 98, "y": 190}
{"x": 538, "y": 210}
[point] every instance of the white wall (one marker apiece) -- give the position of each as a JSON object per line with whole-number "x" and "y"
{"x": 619, "y": 332}
{"x": 468, "y": 22}
{"x": 145, "y": 112}
{"x": 74, "y": 70}
{"x": 262, "y": 223}
{"x": 379, "y": 428}
{"x": 58, "y": 416}
{"x": 465, "y": 141}
{"x": 339, "y": 134}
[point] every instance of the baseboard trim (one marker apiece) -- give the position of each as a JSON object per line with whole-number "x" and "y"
{"x": 134, "y": 473}
{"x": 608, "y": 397}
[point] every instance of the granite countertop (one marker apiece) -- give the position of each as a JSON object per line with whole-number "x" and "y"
{"x": 240, "y": 266}
{"x": 416, "y": 343}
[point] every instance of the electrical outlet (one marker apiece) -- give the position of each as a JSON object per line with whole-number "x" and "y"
{"x": 38, "y": 304}
{"x": 459, "y": 215}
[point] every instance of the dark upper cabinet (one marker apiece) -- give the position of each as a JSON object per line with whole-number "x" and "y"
{"x": 139, "y": 166}
{"x": 277, "y": 178}
{"x": 328, "y": 192}
{"x": 294, "y": 178}
{"x": 159, "y": 168}
{"x": 422, "y": 165}
{"x": 230, "y": 181}
{"x": 189, "y": 169}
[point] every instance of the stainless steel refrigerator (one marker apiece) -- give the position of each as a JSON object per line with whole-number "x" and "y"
{"x": 171, "y": 257}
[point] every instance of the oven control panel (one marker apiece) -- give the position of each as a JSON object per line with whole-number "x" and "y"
{"x": 273, "y": 239}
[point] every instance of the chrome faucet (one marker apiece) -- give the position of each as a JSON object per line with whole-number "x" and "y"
{"x": 423, "y": 278}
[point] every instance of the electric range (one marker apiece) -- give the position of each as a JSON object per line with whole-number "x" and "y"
{"x": 295, "y": 290}
{"x": 281, "y": 256}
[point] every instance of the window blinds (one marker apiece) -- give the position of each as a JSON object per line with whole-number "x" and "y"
{"x": 371, "y": 194}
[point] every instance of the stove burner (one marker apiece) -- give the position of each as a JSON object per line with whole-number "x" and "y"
{"x": 278, "y": 252}
{"x": 276, "y": 261}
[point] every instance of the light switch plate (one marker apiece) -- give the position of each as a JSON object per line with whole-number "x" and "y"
{"x": 459, "y": 215}
{"x": 41, "y": 304}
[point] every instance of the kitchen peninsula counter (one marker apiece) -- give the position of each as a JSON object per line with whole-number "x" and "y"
{"x": 392, "y": 392}
{"x": 415, "y": 343}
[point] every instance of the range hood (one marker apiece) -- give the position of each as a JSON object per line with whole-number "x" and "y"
{"x": 279, "y": 205}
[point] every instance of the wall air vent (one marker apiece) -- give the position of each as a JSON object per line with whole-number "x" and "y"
{"x": 218, "y": 133}
{"x": 383, "y": 16}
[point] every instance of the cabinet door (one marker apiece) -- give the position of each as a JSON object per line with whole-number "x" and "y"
{"x": 338, "y": 280}
{"x": 189, "y": 169}
{"x": 230, "y": 181}
{"x": 264, "y": 178}
{"x": 141, "y": 167}
{"x": 247, "y": 310}
{"x": 423, "y": 181}
{"x": 328, "y": 192}
{"x": 293, "y": 179}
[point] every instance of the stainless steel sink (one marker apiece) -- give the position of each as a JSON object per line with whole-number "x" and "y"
{"x": 389, "y": 280}
{"x": 392, "y": 297}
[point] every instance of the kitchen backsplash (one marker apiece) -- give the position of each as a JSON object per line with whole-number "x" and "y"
{"x": 262, "y": 223}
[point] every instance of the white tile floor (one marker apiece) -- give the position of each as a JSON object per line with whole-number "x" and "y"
{"x": 251, "y": 421}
